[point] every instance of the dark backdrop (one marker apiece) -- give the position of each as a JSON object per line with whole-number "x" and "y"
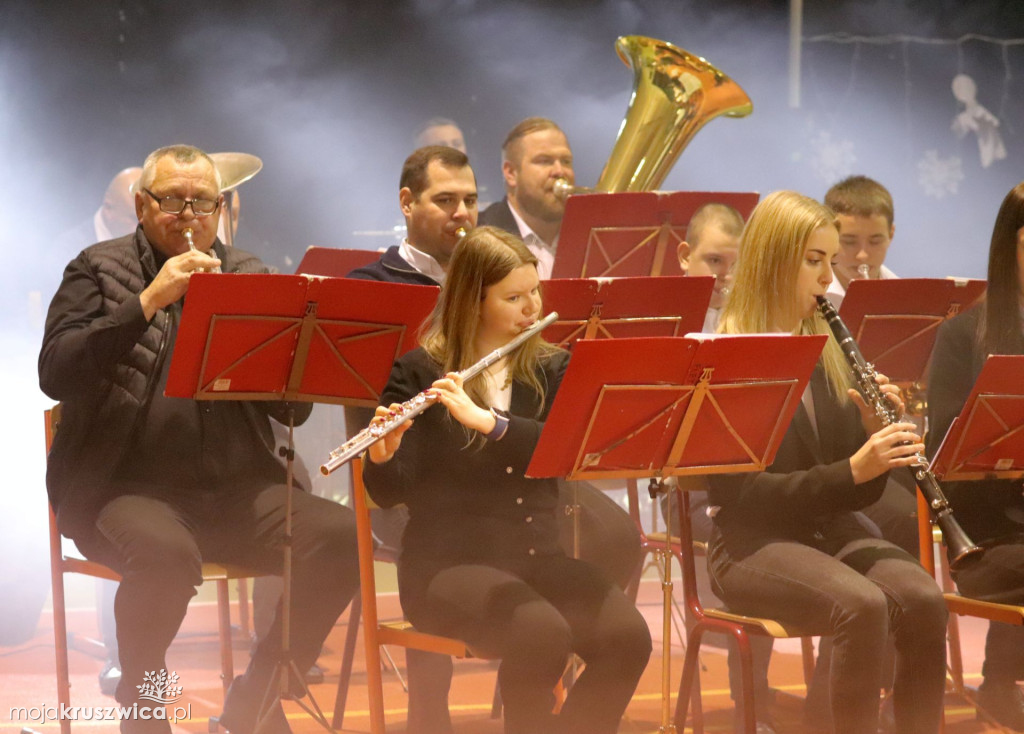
{"x": 329, "y": 94}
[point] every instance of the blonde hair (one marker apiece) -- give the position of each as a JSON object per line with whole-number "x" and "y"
{"x": 484, "y": 257}
{"x": 764, "y": 285}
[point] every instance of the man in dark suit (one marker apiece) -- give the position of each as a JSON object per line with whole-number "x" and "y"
{"x": 438, "y": 198}
{"x": 534, "y": 156}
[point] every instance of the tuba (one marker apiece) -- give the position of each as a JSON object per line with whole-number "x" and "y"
{"x": 674, "y": 94}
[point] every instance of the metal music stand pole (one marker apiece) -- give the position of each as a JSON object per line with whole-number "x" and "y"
{"x": 259, "y": 336}
{"x": 286, "y": 666}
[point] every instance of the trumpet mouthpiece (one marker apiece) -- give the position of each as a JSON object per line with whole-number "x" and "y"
{"x": 461, "y": 232}
{"x": 561, "y": 188}
{"x": 864, "y": 270}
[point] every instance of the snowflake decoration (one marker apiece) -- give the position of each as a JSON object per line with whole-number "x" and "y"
{"x": 831, "y": 160}
{"x": 939, "y": 176}
{"x": 160, "y": 687}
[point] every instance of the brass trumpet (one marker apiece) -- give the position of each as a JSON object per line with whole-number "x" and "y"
{"x": 191, "y": 246}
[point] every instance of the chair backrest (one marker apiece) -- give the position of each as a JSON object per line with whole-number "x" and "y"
{"x": 686, "y": 548}
{"x": 51, "y": 419}
{"x": 364, "y": 542}
{"x": 925, "y": 535}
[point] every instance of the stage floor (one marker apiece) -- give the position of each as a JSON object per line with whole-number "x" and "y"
{"x": 27, "y": 680}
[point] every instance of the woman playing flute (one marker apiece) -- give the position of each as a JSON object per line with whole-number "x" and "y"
{"x": 480, "y": 555}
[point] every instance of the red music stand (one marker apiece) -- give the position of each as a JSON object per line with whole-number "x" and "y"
{"x": 986, "y": 441}
{"x": 290, "y": 337}
{"x": 334, "y": 262}
{"x": 631, "y": 233}
{"x": 591, "y": 308}
{"x": 895, "y": 321}
{"x": 630, "y": 407}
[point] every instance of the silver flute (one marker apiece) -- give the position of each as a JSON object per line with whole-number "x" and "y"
{"x": 418, "y": 403}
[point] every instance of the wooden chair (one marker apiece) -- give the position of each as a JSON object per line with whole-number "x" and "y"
{"x": 375, "y": 632}
{"x": 62, "y": 563}
{"x": 352, "y": 628}
{"x": 958, "y": 605}
{"x": 701, "y": 620}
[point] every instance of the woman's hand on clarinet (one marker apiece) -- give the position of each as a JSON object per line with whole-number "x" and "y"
{"x": 868, "y": 417}
{"x": 450, "y": 393}
{"x": 385, "y": 448}
{"x": 893, "y": 446}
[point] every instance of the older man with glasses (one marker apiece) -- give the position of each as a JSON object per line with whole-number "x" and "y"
{"x": 151, "y": 485}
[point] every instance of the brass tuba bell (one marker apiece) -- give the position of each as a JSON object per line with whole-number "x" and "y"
{"x": 674, "y": 94}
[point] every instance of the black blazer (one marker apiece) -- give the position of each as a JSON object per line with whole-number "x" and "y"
{"x": 988, "y": 510}
{"x": 468, "y": 504}
{"x": 391, "y": 268}
{"x": 809, "y": 481}
{"x": 499, "y": 215}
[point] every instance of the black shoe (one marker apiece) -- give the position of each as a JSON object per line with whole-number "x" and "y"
{"x": 1004, "y": 702}
{"x": 242, "y": 711}
{"x": 110, "y": 676}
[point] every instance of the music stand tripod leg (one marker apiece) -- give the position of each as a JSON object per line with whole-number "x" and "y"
{"x": 279, "y": 688}
{"x": 667, "y": 724}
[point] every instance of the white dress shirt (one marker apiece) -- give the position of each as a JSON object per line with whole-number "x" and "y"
{"x": 421, "y": 262}
{"x": 544, "y": 253}
{"x": 836, "y": 292}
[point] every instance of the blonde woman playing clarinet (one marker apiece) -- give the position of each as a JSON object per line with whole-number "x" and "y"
{"x": 786, "y": 542}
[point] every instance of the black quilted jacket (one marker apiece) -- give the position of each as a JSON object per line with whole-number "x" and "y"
{"x": 101, "y": 359}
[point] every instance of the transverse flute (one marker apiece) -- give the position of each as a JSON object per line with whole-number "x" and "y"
{"x": 418, "y": 403}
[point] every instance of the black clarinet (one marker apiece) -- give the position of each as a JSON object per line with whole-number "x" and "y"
{"x": 961, "y": 548}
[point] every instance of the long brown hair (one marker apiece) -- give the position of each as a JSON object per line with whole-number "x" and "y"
{"x": 484, "y": 257}
{"x": 1000, "y": 328}
{"x": 772, "y": 250}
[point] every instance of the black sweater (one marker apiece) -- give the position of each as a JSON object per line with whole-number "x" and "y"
{"x": 468, "y": 504}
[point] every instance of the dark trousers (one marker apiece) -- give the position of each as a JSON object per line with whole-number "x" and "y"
{"x": 158, "y": 547}
{"x": 608, "y": 540}
{"x": 533, "y": 619}
{"x": 858, "y": 589}
{"x": 998, "y": 576}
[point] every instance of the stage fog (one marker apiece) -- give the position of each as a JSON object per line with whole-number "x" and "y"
{"x": 329, "y": 94}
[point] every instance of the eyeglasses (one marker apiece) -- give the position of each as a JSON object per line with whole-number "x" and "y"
{"x": 176, "y": 205}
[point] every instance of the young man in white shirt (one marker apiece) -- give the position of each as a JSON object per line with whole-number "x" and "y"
{"x": 865, "y": 213}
